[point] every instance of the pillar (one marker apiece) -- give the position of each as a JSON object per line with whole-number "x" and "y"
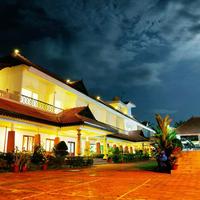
{"x": 143, "y": 146}
{"x": 121, "y": 148}
{"x": 105, "y": 148}
{"x": 37, "y": 140}
{"x": 78, "y": 142}
{"x": 126, "y": 149}
{"x": 56, "y": 140}
{"x": 11, "y": 141}
{"x": 98, "y": 148}
{"x": 131, "y": 149}
{"x": 87, "y": 148}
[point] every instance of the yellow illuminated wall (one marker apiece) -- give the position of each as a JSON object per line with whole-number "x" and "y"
{"x": 43, "y": 88}
{"x": 11, "y": 79}
{"x": 99, "y": 113}
{"x": 47, "y": 91}
{"x": 19, "y": 77}
{"x": 2, "y": 138}
{"x": 67, "y": 98}
{"x": 119, "y": 106}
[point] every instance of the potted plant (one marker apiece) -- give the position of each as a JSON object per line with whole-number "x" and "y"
{"x": 166, "y": 144}
{"x": 39, "y": 158}
{"x": 16, "y": 164}
{"x": 60, "y": 153}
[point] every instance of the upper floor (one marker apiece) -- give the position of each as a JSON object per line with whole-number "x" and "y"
{"x": 23, "y": 81}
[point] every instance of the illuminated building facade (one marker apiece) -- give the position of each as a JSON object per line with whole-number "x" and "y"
{"x": 37, "y": 107}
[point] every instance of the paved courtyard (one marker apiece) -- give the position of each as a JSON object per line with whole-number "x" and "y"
{"x": 113, "y": 181}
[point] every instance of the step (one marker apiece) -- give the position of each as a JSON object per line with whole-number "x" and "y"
{"x": 99, "y": 161}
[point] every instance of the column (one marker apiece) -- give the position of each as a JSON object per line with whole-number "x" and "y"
{"x": 56, "y": 140}
{"x": 131, "y": 149}
{"x": 37, "y": 140}
{"x": 126, "y": 149}
{"x": 98, "y": 148}
{"x": 11, "y": 139}
{"x": 121, "y": 148}
{"x": 87, "y": 147}
{"x": 78, "y": 142}
{"x": 105, "y": 148}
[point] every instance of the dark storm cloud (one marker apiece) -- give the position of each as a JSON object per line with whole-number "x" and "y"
{"x": 128, "y": 48}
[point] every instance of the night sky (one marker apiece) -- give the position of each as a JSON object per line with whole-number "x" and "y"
{"x": 146, "y": 51}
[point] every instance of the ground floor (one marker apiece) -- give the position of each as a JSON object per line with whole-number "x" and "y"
{"x": 80, "y": 139}
{"x": 111, "y": 181}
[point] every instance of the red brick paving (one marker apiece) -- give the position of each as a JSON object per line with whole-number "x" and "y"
{"x": 115, "y": 181}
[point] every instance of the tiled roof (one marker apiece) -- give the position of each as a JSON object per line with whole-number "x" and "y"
{"x": 18, "y": 110}
{"x": 191, "y": 126}
{"x": 68, "y": 117}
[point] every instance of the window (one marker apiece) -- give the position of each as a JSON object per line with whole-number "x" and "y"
{"x": 101, "y": 149}
{"x": 28, "y": 143}
{"x": 71, "y": 148}
{"x": 29, "y": 93}
{"x": 49, "y": 144}
{"x": 92, "y": 148}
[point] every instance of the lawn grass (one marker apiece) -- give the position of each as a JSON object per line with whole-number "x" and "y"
{"x": 150, "y": 165}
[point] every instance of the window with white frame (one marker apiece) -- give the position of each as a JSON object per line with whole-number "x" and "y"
{"x": 49, "y": 144}
{"x": 28, "y": 143}
{"x": 71, "y": 148}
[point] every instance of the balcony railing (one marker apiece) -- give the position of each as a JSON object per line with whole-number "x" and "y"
{"x": 30, "y": 101}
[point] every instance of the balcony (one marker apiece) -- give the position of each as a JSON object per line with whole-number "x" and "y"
{"x": 30, "y": 101}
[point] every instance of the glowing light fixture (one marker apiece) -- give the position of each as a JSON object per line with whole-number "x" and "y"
{"x": 98, "y": 98}
{"x": 68, "y": 81}
{"x": 16, "y": 51}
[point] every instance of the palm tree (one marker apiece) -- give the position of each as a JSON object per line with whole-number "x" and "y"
{"x": 165, "y": 139}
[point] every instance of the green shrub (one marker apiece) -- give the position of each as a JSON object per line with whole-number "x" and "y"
{"x": 38, "y": 156}
{"x": 116, "y": 155}
{"x": 60, "y": 149}
{"x": 79, "y": 161}
{"x": 98, "y": 155}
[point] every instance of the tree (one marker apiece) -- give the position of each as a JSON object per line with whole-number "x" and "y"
{"x": 165, "y": 141}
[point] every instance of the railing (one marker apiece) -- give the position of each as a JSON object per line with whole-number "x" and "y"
{"x": 30, "y": 101}
{"x": 39, "y": 104}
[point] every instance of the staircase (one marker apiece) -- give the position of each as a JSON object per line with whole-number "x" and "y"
{"x": 100, "y": 161}
{"x": 188, "y": 163}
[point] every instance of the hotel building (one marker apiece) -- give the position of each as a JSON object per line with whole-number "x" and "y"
{"x": 37, "y": 107}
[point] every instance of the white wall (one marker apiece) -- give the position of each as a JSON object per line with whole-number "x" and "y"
{"x": 2, "y": 138}
{"x": 130, "y": 125}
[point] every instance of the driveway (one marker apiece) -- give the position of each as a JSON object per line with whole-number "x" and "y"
{"x": 113, "y": 181}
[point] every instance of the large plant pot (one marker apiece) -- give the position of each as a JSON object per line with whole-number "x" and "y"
{"x": 24, "y": 168}
{"x": 16, "y": 168}
{"x": 175, "y": 167}
{"x": 44, "y": 167}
